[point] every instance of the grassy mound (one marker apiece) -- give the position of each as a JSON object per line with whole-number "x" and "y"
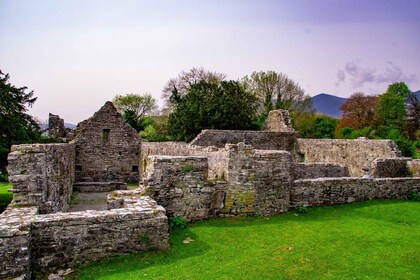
{"x": 369, "y": 240}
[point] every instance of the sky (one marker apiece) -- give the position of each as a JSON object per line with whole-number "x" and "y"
{"x": 78, "y": 54}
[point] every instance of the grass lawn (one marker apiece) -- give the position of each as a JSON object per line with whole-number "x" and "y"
{"x": 5, "y": 196}
{"x": 369, "y": 240}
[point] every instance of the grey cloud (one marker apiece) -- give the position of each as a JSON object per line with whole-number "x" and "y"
{"x": 394, "y": 73}
{"x": 359, "y": 75}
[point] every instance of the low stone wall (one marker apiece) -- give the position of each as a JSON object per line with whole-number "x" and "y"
{"x": 15, "y": 241}
{"x": 262, "y": 140}
{"x": 217, "y": 157}
{"x": 389, "y": 168}
{"x": 42, "y": 175}
{"x": 44, "y": 243}
{"x": 64, "y": 239}
{"x": 318, "y": 170}
{"x": 354, "y": 154}
{"x": 329, "y": 191}
{"x": 414, "y": 167}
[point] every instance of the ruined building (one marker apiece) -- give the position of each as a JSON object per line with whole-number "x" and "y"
{"x": 220, "y": 173}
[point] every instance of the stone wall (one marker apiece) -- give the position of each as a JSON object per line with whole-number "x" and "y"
{"x": 56, "y": 127}
{"x": 329, "y": 191}
{"x": 180, "y": 185}
{"x": 414, "y": 167}
{"x": 15, "y": 242}
{"x": 45, "y": 243}
{"x": 278, "y": 120}
{"x": 389, "y": 168}
{"x": 42, "y": 175}
{"x": 262, "y": 140}
{"x": 217, "y": 157}
{"x": 107, "y": 148}
{"x": 318, "y": 170}
{"x": 258, "y": 181}
{"x": 355, "y": 154}
{"x": 64, "y": 239}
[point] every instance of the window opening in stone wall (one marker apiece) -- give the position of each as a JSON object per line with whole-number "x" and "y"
{"x": 135, "y": 168}
{"x": 78, "y": 167}
{"x": 105, "y": 134}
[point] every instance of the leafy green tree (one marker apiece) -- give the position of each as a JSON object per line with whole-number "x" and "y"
{"x": 392, "y": 108}
{"x": 138, "y": 105}
{"x": 211, "y": 106}
{"x": 277, "y": 91}
{"x": 185, "y": 80}
{"x": 412, "y": 128}
{"x": 16, "y": 126}
{"x": 317, "y": 126}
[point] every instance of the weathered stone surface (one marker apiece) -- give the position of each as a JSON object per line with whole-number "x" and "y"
{"x": 64, "y": 239}
{"x": 318, "y": 170}
{"x": 278, "y": 121}
{"x": 15, "y": 242}
{"x": 180, "y": 185}
{"x": 258, "y": 181}
{"x": 414, "y": 167}
{"x": 329, "y": 191}
{"x": 263, "y": 140}
{"x": 107, "y": 148}
{"x": 389, "y": 168}
{"x": 354, "y": 154}
{"x": 56, "y": 127}
{"x": 42, "y": 175}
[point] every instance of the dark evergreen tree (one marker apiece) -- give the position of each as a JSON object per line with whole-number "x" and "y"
{"x": 16, "y": 126}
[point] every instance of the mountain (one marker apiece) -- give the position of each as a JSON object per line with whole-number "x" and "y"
{"x": 328, "y": 104}
{"x": 417, "y": 93}
{"x": 69, "y": 125}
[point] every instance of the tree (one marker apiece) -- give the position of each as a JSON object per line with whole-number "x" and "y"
{"x": 392, "y": 110}
{"x": 134, "y": 108}
{"x": 211, "y": 106}
{"x": 359, "y": 111}
{"x": 139, "y": 105}
{"x": 413, "y": 117}
{"x": 16, "y": 126}
{"x": 316, "y": 126}
{"x": 185, "y": 80}
{"x": 277, "y": 91}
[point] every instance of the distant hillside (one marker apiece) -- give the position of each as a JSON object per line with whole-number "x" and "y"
{"x": 328, "y": 104}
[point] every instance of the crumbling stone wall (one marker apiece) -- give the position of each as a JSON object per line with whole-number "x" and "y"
{"x": 278, "y": 120}
{"x": 180, "y": 185}
{"x": 354, "y": 154}
{"x": 56, "y": 127}
{"x": 389, "y": 168}
{"x": 64, "y": 239}
{"x": 262, "y": 140}
{"x": 318, "y": 170}
{"x": 217, "y": 157}
{"x": 42, "y": 175}
{"x": 329, "y": 191}
{"x": 107, "y": 148}
{"x": 258, "y": 181}
{"x": 15, "y": 241}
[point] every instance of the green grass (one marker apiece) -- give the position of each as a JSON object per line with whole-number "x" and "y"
{"x": 5, "y": 196}
{"x": 369, "y": 240}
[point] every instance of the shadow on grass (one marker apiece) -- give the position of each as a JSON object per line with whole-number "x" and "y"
{"x": 136, "y": 262}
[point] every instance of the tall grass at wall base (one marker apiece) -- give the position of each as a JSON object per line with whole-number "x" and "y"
{"x": 368, "y": 240}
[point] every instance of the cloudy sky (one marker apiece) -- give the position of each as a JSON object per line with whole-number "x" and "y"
{"x": 78, "y": 54}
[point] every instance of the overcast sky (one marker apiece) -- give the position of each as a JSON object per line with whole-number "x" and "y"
{"x": 78, "y": 54}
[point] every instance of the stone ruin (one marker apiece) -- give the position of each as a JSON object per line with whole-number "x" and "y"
{"x": 220, "y": 173}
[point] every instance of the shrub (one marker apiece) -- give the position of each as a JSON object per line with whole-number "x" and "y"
{"x": 177, "y": 222}
{"x": 414, "y": 196}
{"x": 302, "y": 209}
